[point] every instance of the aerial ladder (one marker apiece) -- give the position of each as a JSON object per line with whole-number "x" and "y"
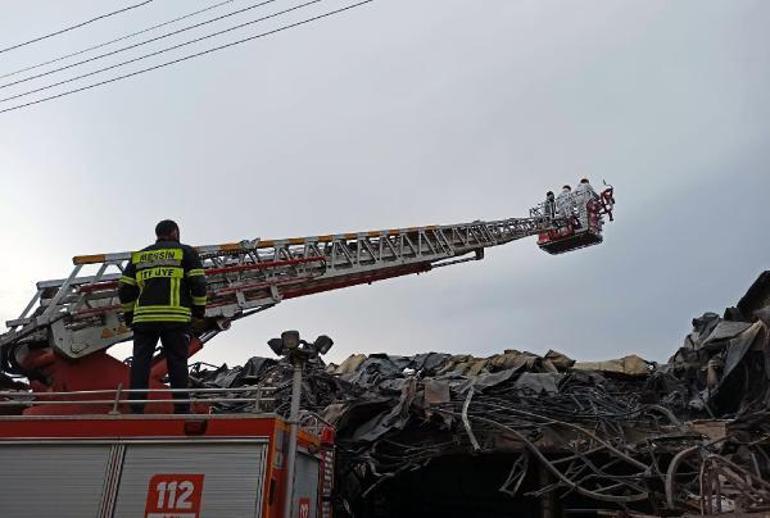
{"x": 60, "y": 340}
{"x": 74, "y": 451}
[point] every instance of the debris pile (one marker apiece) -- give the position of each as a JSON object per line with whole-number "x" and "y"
{"x": 689, "y": 436}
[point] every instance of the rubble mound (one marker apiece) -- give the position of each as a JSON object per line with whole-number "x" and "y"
{"x": 627, "y": 434}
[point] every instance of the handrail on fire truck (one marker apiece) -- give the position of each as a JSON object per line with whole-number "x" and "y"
{"x": 254, "y": 394}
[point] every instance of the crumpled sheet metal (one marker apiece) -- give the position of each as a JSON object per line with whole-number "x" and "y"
{"x": 618, "y": 423}
{"x": 350, "y": 365}
{"x": 436, "y": 392}
{"x": 368, "y": 370}
{"x": 393, "y": 420}
{"x": 725, "y": 360}
{"x": 738, "y": 346}
{"x": 560, "y": 361}
{"x": 757, "y": 296}
{"x": 538, "y": 383}
{"x": 631, "y": 365}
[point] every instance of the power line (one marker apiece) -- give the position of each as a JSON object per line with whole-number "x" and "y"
{"x": 122, "y": 38}
{"x": 190, "y": 56}
{"x": 164, "y": 50}
{"x": 73, "y": 27}
{"x": 135, "y": 45}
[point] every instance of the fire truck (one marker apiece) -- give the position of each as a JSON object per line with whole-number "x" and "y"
{"x": 70, "y": 448}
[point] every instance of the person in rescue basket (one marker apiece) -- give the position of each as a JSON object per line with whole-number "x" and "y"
{"x": 584, "y": 194}
{"x": 565, "y": 203}
{"x": 162, "y": 287}
{"x": 549, "y": 207}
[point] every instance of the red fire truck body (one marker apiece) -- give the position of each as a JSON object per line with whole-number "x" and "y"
{"x": 159, "y": 466}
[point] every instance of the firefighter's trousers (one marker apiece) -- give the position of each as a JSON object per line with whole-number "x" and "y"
{"x": 175, "y": 339}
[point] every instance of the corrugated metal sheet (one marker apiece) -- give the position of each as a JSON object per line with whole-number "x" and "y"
{"x": 39, "y": 480}
{"x": 233, "y": 476}
{"x": 306, "y": 478}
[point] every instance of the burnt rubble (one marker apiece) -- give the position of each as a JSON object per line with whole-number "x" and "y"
{"x": 517, "y": 433}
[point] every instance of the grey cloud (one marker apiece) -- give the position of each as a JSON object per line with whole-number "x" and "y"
{"x": 407, "y": 113}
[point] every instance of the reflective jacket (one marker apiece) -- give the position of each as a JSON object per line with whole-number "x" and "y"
{"x": 565, "y": 202}
{"x": 549, "y": 207}
{"x": 585, "y": 193}
{"x": 165, "y": 282}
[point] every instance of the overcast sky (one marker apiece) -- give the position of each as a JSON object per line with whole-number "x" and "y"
{"x": 412, "y": 112}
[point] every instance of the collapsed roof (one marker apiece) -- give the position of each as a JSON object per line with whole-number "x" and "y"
{"x": 625, "y": 434}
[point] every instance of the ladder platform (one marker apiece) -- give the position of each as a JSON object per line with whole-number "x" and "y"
{"x": 574, "y": 240}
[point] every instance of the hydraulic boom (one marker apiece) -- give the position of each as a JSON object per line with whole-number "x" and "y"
{"x": 69, "y": 323}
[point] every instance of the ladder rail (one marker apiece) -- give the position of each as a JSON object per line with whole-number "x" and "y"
{"x": 248, "y": 276}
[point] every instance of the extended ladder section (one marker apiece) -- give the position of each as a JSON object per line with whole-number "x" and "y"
{"x": 81, "y": 314}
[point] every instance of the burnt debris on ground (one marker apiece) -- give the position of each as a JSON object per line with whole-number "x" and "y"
{"x": 518, "y": 433}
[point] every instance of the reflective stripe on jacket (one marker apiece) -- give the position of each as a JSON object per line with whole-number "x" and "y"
{"x": 165, "y": 282}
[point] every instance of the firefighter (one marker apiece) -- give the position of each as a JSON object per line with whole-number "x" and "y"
{"x": 549, "y": 207}
{"x": 565, "y": 202}
{"x": 162, "y": 288}
{"x": 584, "y": 190}
{"x": 584, "y": 194}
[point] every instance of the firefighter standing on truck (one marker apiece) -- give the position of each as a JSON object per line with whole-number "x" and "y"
{"x": 162, "y": 288}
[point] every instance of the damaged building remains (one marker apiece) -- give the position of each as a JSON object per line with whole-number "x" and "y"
{"x": 436, "y": 434}
{"x": 517, "y": 434}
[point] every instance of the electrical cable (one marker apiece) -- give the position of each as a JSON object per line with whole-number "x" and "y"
{"x": 73, "y": 27}
{"x": 135, "y": 45}
{"x": 191, "y": 56}
{"x": 161, "y": 51}
{"x": 127, "y": 36}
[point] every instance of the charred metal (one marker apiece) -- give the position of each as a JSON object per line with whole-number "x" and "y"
{"x": 522, "y": 434}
